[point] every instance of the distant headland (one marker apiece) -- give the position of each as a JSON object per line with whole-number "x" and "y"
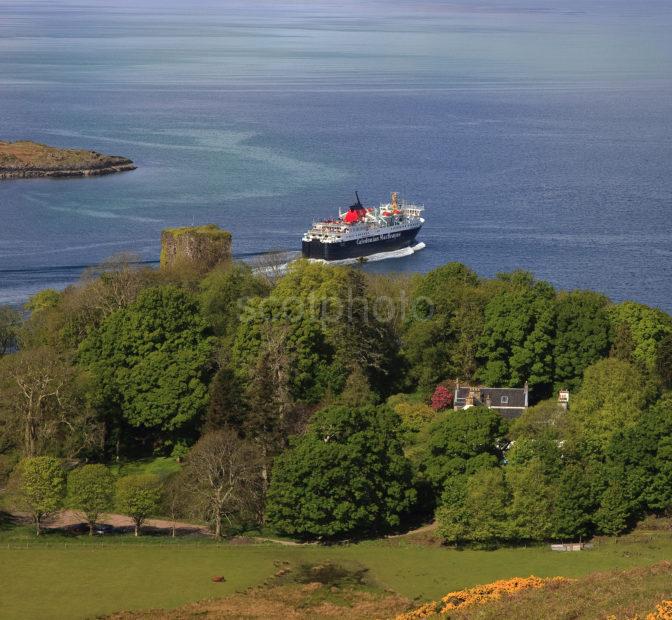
{"x": 27, "y": 160}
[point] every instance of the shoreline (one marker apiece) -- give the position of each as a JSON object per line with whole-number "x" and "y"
{"x": 25, "y": 159}
{"x": 39, "y": 173}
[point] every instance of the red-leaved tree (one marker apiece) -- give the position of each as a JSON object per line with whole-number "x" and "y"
{"x": 442, "y": 398}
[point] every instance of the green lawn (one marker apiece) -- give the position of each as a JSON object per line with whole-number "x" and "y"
{"x": 161, "y": 466}
{"x": 85, "y": 578}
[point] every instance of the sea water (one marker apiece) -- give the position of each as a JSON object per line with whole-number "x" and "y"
{"x": 538, "y": 133}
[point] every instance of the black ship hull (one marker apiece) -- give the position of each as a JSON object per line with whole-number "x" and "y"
{"x": 358, "y": 248}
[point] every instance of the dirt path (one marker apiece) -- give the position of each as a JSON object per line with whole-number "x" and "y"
{"x": 430, "y": 527}
{"x": 70, "y": 518}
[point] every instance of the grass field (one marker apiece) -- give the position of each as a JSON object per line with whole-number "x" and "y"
{"x": 77, "y": 578}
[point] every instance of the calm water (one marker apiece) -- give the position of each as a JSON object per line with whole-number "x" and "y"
{"x": 538, "y": 133}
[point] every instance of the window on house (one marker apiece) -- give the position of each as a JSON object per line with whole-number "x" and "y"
{"x": 505, "y": 400}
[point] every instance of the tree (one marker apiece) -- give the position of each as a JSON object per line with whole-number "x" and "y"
{"x": 575, "y": 502}
{"x": 175, "y": 500}
{"x": 414, "y": 415}
{"x": 532, "y": 500}
{"x": 223, "y": 291}
{"x": 91, "y": 491}
{"x": 44, "y": 406}
{"x": 63, "y": 320}
{"x": 357, "y": 391}
{"x": 138, "y": 496}
{"x": 451, "y": 515}
{"x": 639, "y": 458}
{"x": 442, "y": 398}
{"x": 615, "y": 511}
{"x": 582, "y": 335}
{"x": 612, "y": 398}
{"x": 152, "y": 361}
{"x": 657, "y": 438}
{"x": 357, "y": 328}
{"x": 481, "y": 517}
{"x": 645, "y": 326}
{"x": 227, "y": 406}
{"x": 38, "y": 486}
{"x": 545, "y": 451}
{"x": 346, "y": 476}
{"x": 223, "y": 478}
{"x": 460, "y": 443}
{"x": 546, "y": 419}
{"x": 10, "y": 319}
{"x": 289, "y": 344}
{"x": 442, "y": 334}
{"x": 519, "y": 334}
{"x": 664, "y": 361}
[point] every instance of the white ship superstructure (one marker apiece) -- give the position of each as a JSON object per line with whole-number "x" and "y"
{"x": 361, "y": 231}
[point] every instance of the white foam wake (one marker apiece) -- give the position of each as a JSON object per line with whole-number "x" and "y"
{"x": 281, "y": 269}
{"x": 372, "y": 258}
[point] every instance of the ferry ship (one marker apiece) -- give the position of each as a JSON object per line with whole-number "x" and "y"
{"x": 362, "y": 231}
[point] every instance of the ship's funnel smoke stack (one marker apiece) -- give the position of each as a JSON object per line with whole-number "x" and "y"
{"x": 394, "y": 203}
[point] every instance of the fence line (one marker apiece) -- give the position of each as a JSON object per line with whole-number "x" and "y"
{"x": 102, "y": 545}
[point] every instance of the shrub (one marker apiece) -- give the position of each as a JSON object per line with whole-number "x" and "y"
{"x": 442, "y": 398}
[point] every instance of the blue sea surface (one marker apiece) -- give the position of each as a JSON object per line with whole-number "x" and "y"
{"x": 538, "y": 133}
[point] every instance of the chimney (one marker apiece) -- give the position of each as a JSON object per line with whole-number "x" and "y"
{"x": 527, "y": 394}
{"x": 488, "y": 401}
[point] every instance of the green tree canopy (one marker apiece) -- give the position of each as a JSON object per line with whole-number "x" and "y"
{"x": 533, "y": 495}
{"x": 611, "y": 399}
{"x": 442, "y": 333}
{"x": 664, "y": 361}
{"x": 640, "y": 459}
{"x": 223, "y": 291}
{"x": 38, "y": 486}
{"x": 10, "y": 320}
{"x": 645, "y": 327}
{"x": 519, "y": 334}
{"x": 582, "y": 335}
{"x": 358, "y": 327}
{"x": 138, "y": 496}
{"x": 481, "y": 517}
{"x": 346, "y": 476}
{"x": 462, "y": 442}
{"x": 151, "y": 360}
{"x": 577, "y": 496}
{"x": 290, "y": 344}
{"x": 91, "y": 491}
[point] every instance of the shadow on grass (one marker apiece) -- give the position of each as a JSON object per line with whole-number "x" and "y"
{"x": 7, "y": 522}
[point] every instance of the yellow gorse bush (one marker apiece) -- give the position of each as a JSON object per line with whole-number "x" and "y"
{"x": 479, "y": 594}
{"x": 663, "y": 612}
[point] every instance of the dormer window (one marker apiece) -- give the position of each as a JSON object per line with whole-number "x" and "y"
{"x": 505, "y": 400}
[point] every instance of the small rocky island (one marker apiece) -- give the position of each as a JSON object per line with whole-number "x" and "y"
{"x": 27, "y": 160}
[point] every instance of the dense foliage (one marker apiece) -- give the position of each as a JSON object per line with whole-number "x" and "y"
{"x": 38, "y": 487}
{"x": 272, "y": 386}
{"x": 91, "y": 491}
{"x": 346, "y": 476}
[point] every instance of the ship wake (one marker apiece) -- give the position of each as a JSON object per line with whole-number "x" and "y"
{"x": 372, "y": 258}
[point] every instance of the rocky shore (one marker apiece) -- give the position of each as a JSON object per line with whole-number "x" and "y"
{"x": 28, "y": 160}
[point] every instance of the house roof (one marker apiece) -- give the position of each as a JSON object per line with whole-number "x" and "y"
{"x": 511, "y": 398}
